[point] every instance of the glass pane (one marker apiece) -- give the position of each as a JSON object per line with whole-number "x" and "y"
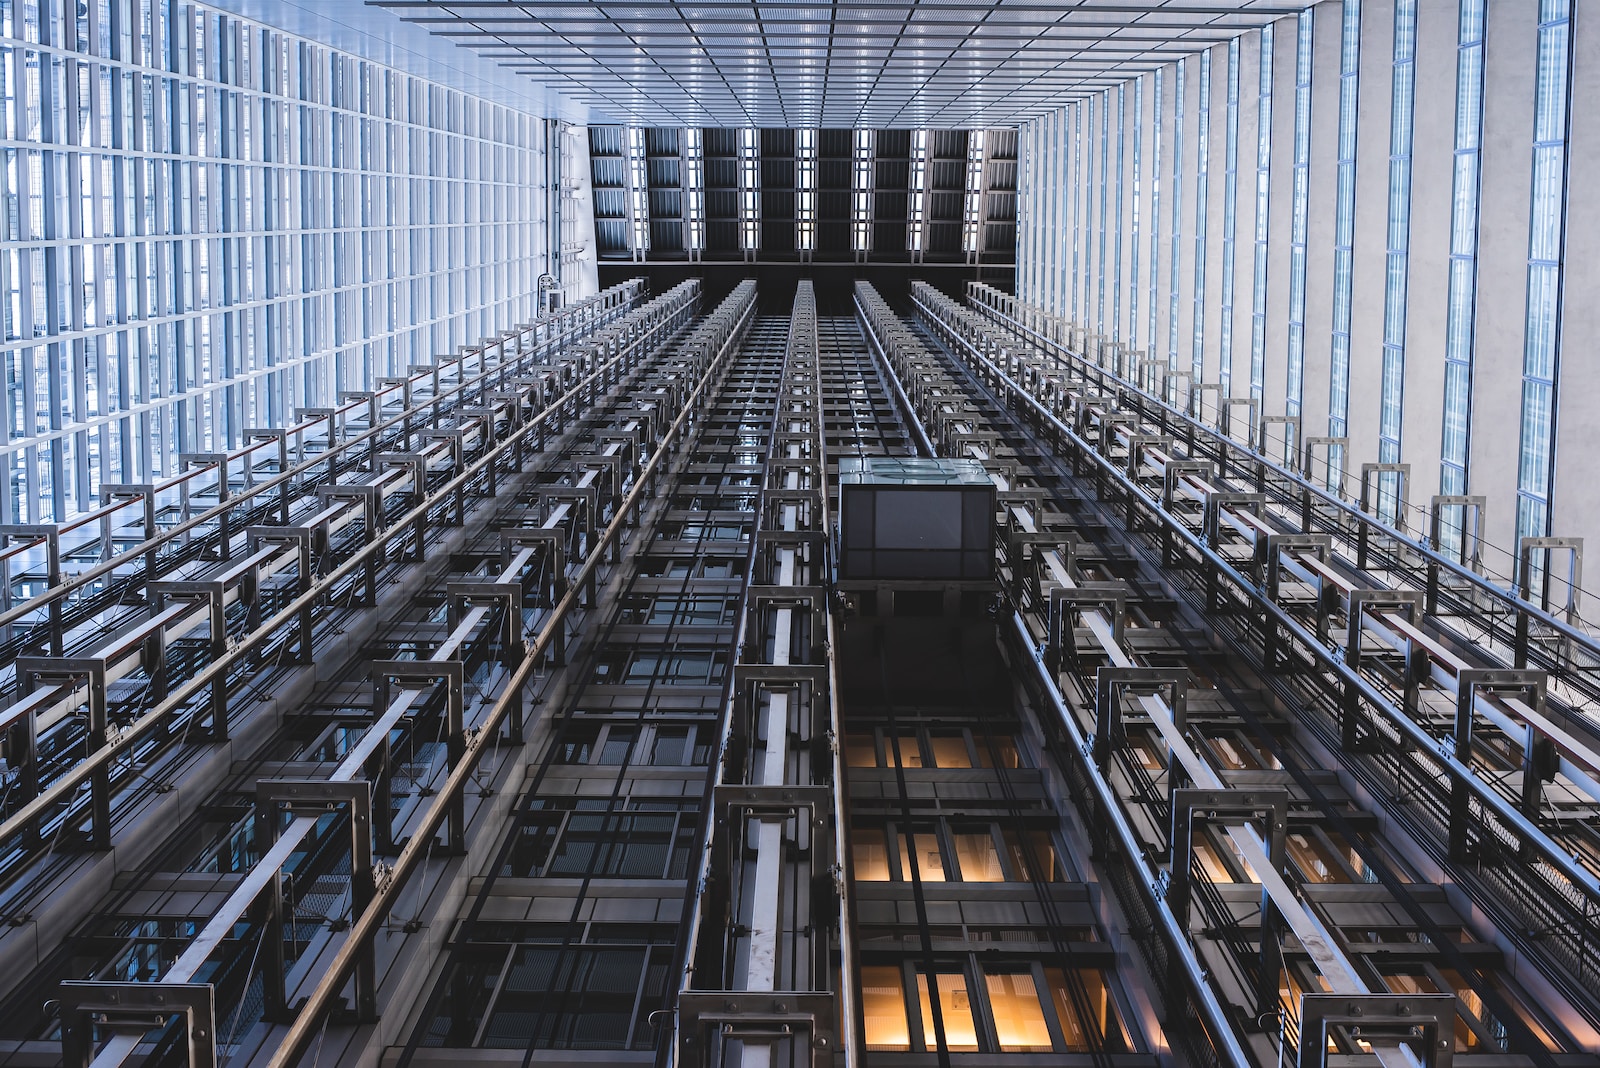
{"x": 925, "y": 847}
{"x": 955, "y": 1011}
{"x": 883, "y": 1009}
{"x": 860, "y": 751}
{"x": 950, "y": 752}
{"x": 910, "y": 751}
{"x": 997, "y": 751}
{"x": 871, "y": 856}
{"x": 979, "y": 861}
{"x": 1088, "y": 1019}
{"x": 1033, "y": 855}
{"x": 1018, "y": 1015}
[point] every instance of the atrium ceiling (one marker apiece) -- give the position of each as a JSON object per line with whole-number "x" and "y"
{"x": 940, "y": 64}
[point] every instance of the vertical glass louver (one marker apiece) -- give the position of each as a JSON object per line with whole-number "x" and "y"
{"x": 1461, "y": 310}
{"x": 805, "y": 189}
{"x": 1344, "y": 225}
{"x": 1397, "y": 255}
{"x": 1116, "y": 238}
{"x": 694, "y": 154}
{"x": 1258, "y": 306}
{"x": 1295, "y": 372}
{"x": 1155, "y": 205}
{"x": 1202, "y": 183}
{"x": 917, "y": 215}
{"x": 1088, "y": 209}
{"x": 1134, "y": 235}
{"x": 1177, "y": 215}
{"x": 638, "y": 194}
{"x": 1079, "y": 312}
{"x": 972, "y": 206}
{"x": 749, "y": 189}
{"x": 1230, "y": 216}
{"x": 861, "y": 193}
{"x": 1546, "y": 240}
{"x": 1101, "y": 265}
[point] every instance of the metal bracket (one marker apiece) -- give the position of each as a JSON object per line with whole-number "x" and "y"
{"x": 1190, "y": 805}
{"x": 1387, "y": 1013}
{"x": 1111, "y": 596}
{"x": 136, "y": 1009}
{"x": 1538, "y": 756}
{"x": 315, "y": 797}
{"x": 706, "y": 1016}
{"x": 453, "y": 674}
{"x": 1109, "y": 685}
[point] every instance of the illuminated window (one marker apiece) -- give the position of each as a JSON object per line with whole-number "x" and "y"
{"x": 921, "y": 849}
{"x": 995, "y": 1006}
{"x": 1019, "y": 1025}
{"x": 860, "y": 751}
{"x": 1098, "y": 1024}
{"x": 869, "y": 855}
{"x": 997, "y": 751}
{"x": 910, "y": 750}
{"x": 950, "y": 751}
{"x": 977, "y": 857}
{"x": 955, "y": 1012}
{"x": 883, "y": 1009}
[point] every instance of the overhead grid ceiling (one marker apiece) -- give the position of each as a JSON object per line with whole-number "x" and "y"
{"x": 937, "y": 64}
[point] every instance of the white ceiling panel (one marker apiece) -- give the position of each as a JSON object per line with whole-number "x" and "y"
{"x": 798, "y": 62}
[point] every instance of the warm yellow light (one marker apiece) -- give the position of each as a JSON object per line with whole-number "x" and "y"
{"x": 883, "y": 1009}
{"x": 950, "y": 752}
{"x": 955, "y": 1011}
{"x": 979, "y": 862}
{"x": 871, "y": 856}
{"x": 1018, "y": 1015}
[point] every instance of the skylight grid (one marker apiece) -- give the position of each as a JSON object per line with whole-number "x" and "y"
{"x": 961, "y": 65}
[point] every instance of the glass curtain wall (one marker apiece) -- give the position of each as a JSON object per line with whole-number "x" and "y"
{"x": 210, "y": 224}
